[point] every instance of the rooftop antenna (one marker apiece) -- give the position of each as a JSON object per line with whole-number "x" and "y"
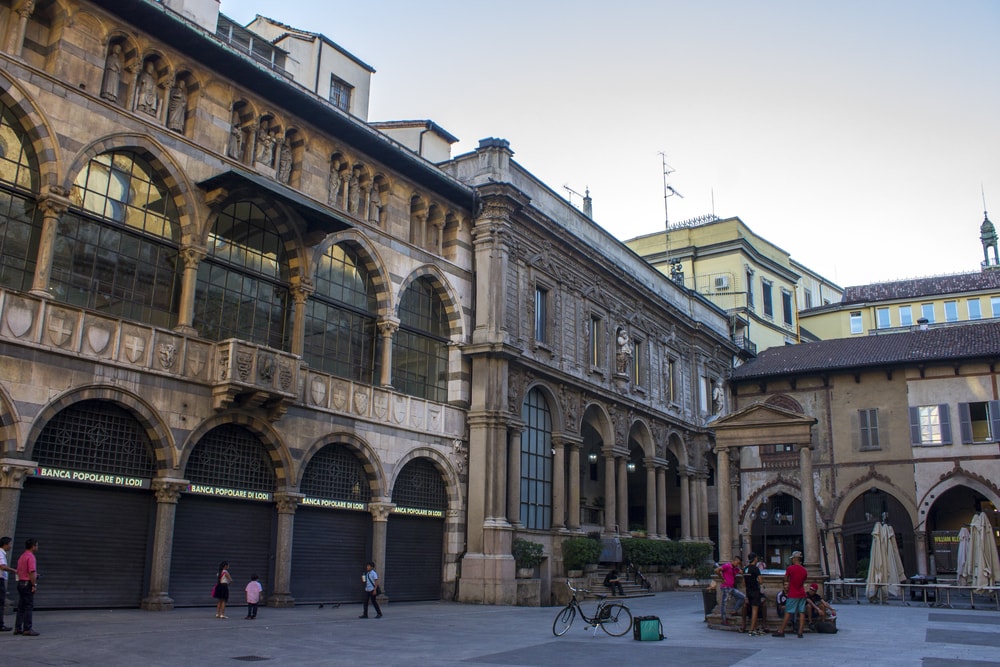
{"x": 571, "y": 192}
{"x": 674, "y": 264}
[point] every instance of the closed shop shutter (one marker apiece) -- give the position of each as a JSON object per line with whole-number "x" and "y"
{"x": 208, "y": 531}
{"x": 92, "y": 543}
{"x": 329, "y": 553}
{"x": 413, "y": 559}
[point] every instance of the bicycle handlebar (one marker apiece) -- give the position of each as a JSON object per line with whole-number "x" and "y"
{"x": 569, "y": 584}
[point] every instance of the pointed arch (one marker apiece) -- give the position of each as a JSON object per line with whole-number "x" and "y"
{"x": 445, "y": 290}
{"x": 955, "y": 478}
{"x": 373, "y": 262}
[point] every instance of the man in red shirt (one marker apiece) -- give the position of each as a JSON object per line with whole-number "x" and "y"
{"x": 795, "y": 579}
{"x": 27, "y": 582}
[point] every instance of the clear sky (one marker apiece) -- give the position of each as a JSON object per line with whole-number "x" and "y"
{"x": 857, "y": 134}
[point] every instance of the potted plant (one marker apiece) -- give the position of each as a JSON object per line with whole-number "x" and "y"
{"x": 579, "y": 552}
{"x": 527, "y": 556}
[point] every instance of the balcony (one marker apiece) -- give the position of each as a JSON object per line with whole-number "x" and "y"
{"x": 747, "y": 347}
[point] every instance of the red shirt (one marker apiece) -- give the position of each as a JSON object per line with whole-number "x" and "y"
{"x": 796, "y": 576}
{"x": 26, "y": 566}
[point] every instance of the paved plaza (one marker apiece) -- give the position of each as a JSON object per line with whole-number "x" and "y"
{"x": 445, "y": 633}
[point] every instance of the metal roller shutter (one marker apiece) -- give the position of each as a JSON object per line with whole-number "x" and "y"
{"x": 413, "y": 559}
{"x": 329, "y": 553}
{"x": 92, "y": 543}
{"x": 208, "y": 531}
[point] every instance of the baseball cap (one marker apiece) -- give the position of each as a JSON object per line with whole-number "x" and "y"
{"x": 796, "y": 554}
{"x": 814, "y": 587}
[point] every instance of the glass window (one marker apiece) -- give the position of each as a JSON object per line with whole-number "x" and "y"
{"x": 951, "y": 311}
{"x": 786, "y": 306}
{"x": 809, "y": 298}
{"x": 995, "y": 305}
{"x": 420, "y": 347}
{"x": 340, "y": 329}
{"x": 930, "y": 425}
{"x": 750, "y": 290}
{"x": 638, "y": 363}
{"x": 765, "y": 287}
{"x": 856, "y": 324}
{"x": 927, "y": 312}
{"x": 536, "y": 462}
{"x": 980, "y": 421}
{"x": 905, "y": 316}
{"x": 668, "y": 381}
{"x": 975, "y": 310}
{"x": 596, "y": 341}
{"x": 541, "y": 314}
{"x": 882, "y": 318}
{"x": 340, "y": 93}
{"x": 868, "y": 421}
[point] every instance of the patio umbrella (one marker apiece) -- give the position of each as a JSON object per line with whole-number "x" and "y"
{"x": 885, "y": 568}
{"x": 982, "y": 567}
{"x": 963, "y": 555}
{"x": 895, "y": 564}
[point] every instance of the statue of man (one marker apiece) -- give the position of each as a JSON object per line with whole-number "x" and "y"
{"x": 177, "y": 106}
{"x": 234, "y": 148}
{"x": 375, "y": 204}
{"x": 353, "y": 193}
{"x": 146, "y": 100}
{"x": 284, "y": 174}
{"x": 333, "y": 187}
{"x": 113, "y": 66}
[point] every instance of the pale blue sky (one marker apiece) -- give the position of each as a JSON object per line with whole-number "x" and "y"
{"x": 854, "y": 134}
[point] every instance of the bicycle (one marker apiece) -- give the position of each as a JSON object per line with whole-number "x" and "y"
{"x": 615, "y": 618}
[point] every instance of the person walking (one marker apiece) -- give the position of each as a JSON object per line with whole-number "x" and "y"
{"x": 751, "y": 581}
{"x": 27, "y": 584}
{"x": 372, "y": 589}
{"x": 795, "y": 579}
{"x": 221, "y": 592}
{"x": 728, "y": 572}
{"x": 254, "y": 590}
{"x": 5, "y": 544}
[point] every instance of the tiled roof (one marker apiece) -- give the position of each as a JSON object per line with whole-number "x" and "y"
{"x": 915, "y": 288}
{"x": 941, "y": 344}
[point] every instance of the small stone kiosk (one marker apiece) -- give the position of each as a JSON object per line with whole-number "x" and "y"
{"x": 756, "y": 425}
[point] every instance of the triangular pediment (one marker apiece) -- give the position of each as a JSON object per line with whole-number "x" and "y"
{"x": 763, "y": 424}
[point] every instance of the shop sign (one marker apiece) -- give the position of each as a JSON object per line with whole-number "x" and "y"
{"x": 104, "y": 479}
{"x": 327, "y": 503}
{"x": 415, "y": 511}
{"x": 223, "y": 492}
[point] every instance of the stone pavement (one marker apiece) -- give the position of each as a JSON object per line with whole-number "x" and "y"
{"x": 445, "y": 633}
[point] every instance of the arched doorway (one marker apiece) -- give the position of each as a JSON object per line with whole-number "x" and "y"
{"x": 859, "y": 519}
{"x": 414, "y": 551}
{"x": 951, "y": 511}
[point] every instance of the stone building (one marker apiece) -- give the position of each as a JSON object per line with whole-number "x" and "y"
{"x": 238, "y": 322}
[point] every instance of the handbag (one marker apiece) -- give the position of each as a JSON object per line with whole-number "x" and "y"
{"x": 214, "y": 589}
{"x": 378, "y": 590}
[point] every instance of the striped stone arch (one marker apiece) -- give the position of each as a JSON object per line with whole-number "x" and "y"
{"x": 9, "y": 429}
{"x": 367, "y": 455}
{"x": 596, "y": 414}
{"x": 551, "y": 399}
{"x": 443, "y": 465}
{"x": 774, "y": 487}
{"x": 161, "y": 162}
{"x": 640, "y": 431}
{"x": 675, "y": 445}
{"x": 275, "y": 447}
{"x": 955, "y": 478}
{"x": 36, "y": 126}
{"x": 371, "y": 259}
{"x": 159, "y": 433}
{"x": 444, "y": 290}
{"x": 280, "y": 216}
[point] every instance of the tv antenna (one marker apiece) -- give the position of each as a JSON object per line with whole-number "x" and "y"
{"x": 674, "y": 263}
{"x": 571, "y": 192}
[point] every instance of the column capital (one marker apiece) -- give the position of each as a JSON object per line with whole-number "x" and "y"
{"x": 387, "y": 326}
{"x": 192, "y": 255}
{"x": 53, "y": 202}
{"x": 380, "y": 511}
{"x": 14, "y": 471}
{"x": 168, "y": 489}
{"x": 287, "y": 501}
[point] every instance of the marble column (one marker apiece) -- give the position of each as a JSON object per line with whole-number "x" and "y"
{"x": 13, "y": 472}
{"x": 191, "y": 257}
{"x": 52, "y": 206}
{"x": 380, "y": 523}
{"x": 387, "y": 328}
{"x": 514, "y": 474}
{"x": 810, "y": 531}
{"x": 558, "y": 484}
{"x": 573, "y": 511}
{"x": 725, "y": 502}
{"x": 661, "y": 501}
{"x": 685, "y": 505}
{"x": 281, "y": 595}
{"x": 302, "y": 287}
{"x": 15, "y": 36}
{"x": 920, "y": 544}
{"x": 167, "y": 492}
{"x": 610, "y": 497}
{"x": 621, "y": 501}
{"x": 652, "y": 506}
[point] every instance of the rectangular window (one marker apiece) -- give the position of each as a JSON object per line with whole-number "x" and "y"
{"x": 596, "y": 341}
{"x": 905, "y": 316}
{"x": 979, "y": 422}
{"x": 638, "y": 362}
{"x": 340, "y": 93}
{"x": 927, "y": 312}
{"x": 541, "y": 314}
{"x": 951, "y": 311}
{"x": 930, "y": 425}
{"x": 668, "y": 380}
{"x": 809, "y": 298}
{"x": 765, "y": 297}
{"x": 868, "y": 422}
{"x": 856, "y": 324}
{"x": 786, "y": 306}
{"x": 975, "y": 310}
{"x": 882, "y": 320}
{"x": 750, "y": 290}
{"x": 995, "y": 305}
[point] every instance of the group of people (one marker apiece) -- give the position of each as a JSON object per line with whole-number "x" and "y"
{"x": 27, "y": 582}
{"x": 254, "y": 590}
{"x": 793, "y": 600}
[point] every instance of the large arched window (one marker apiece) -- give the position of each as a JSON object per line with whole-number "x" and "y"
{"x": 536, "y": 462}
{"x": 116, "y": 249}
{"x": 20, "y": 220}
{"x": 420, "y": 347}
{"x": 340, "y": 317}
{"x": 243, "y": 289}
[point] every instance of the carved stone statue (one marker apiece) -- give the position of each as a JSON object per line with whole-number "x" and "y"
{"x": 284, "y": 174}
{"x": 146, "y": 99}
{"x": 375, "y": 205}
{"x": 177, "y": 106}
{"x": 717, "y": 399}
{"x": 333, "y": 186}
{"x": 234, "y": 148}
{"x": 353, "y": 193}
{"x": 624, "y": 351}
{"x": 113, "y": 67}
{"x": 265, "y": 145}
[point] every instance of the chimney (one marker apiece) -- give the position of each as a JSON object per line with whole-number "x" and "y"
{"x": 922, "y": 324}
{"x": 203, "y": 12}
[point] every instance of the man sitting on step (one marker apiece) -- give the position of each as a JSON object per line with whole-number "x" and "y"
{"x": 613, "y": 582}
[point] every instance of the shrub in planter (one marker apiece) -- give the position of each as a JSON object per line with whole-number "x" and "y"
{"x": 527, "y": 554}
{"x": 642, "y": 551}
{"x": 579, "y": 551}
{"x": 693, "y": 554}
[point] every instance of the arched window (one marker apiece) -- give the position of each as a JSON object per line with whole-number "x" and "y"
{"x": 536, "y": 462}
{"x": 420, "y": 486}
{"x": 340, "y": 317}
{"x": 243, "y": 289}
{"x": 116, "y": 249}
{"x": 20, "y": 220}
{"x": 420, "y": 347}
{"x": 230, "y": 456}
{"x": 336, "y": 473}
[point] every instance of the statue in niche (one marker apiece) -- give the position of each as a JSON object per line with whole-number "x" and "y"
{"x": 177, "y": 106}
{"x": 717, "y": 399}
{"x": 265, "y": 145}
{"x": 375, "y": 204}
{"x": 234, "y": 148}
{"x": 113, "y": 67}
{"x": 146, "y": 99}
{"x": 624, "y": 351}
{"x": 284, "y": 174}
{"x": 333, "y": 186}
{"x": 353, "y": 193}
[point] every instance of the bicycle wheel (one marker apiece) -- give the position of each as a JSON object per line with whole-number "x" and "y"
{"x": 617, "y": 619}
{"x": 564, "y": 619}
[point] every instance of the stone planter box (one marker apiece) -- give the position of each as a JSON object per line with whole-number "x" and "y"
{"x": 525, "y": 573}
{"x": 574, "y": 574}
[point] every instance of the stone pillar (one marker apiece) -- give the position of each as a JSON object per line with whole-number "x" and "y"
{"x": 573, "y": 511}
{"x": 12, "y": 475}
{"x": 380, "y": 524}
{"x": 652, "y": 506}
{"x": 558, "y": 483}
{"x": 920, "y": 544}
{"x": 191, "y": 257}
{"x": 610, "y": 497}
{"x": 387, "y": 328}
{"x": 514, "y": 474}
{"x": 281, "y": 596}
{"x": 725, "y": 505}
{"x": 15, "y": 36}
{"x": 168, "y": 492}
{"x": 810, "y": 531}
{"x": 661, "y": 501}
{"x": 52, "y": 206}
{"x": 685, "y": 505}
{"x": 439, "y": 241}
{"x": 701, "y": 507}
{"x": 302, "y": 287}
{"x": 621, "y": 501}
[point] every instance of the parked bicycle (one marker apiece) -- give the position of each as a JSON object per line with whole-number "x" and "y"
{"x": 614, "y": 618}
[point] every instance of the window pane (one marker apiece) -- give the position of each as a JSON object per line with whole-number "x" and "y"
{"x": 536, "y": 462}
{"x": 951, "y": 311}
{"x": 905, "y": 316}
{"x": 882, "y": 315}
{"x": 975, "y": 310}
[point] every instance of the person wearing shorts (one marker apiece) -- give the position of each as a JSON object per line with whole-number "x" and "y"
{"x": 795, "y": 579}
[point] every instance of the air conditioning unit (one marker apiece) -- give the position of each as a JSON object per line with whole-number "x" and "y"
{"x": 721, "y": 282}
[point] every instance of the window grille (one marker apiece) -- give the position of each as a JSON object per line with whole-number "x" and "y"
{"x": 232, "y": 457}
{"x": 337, "y": 474}
{"x": 420, "y": 486}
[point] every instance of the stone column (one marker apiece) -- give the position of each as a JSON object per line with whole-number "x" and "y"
{"x": 920, "y": 544}
{"x": 281, "y": 596}
{"x": 15, "y": 36}
{"x": 302, "y": 287}
{"x": 652, "y": 506}
{"x": 168, "y": 492}
{"x": 725, "y": 505}
{"x": 810, "y": 531}
{"x": 514, "y": 474}
{"x": 439, "y": 242}
{"x": 191, "y": 257}
{"x": 573, "y": 511}
{"x": 610, "y": 497}
{"x": 380, "y": 523}
{"x": 685, "y": 505}
{"x": 701, "y": 507}
{"x": 52, "y": 206}
{"x": 661, "y": 501}
{"x": 12, "y": 475}
{"x": 558, "y": 483}
{"x": 621, "y": 501}
{"x": 387, "y": 328}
